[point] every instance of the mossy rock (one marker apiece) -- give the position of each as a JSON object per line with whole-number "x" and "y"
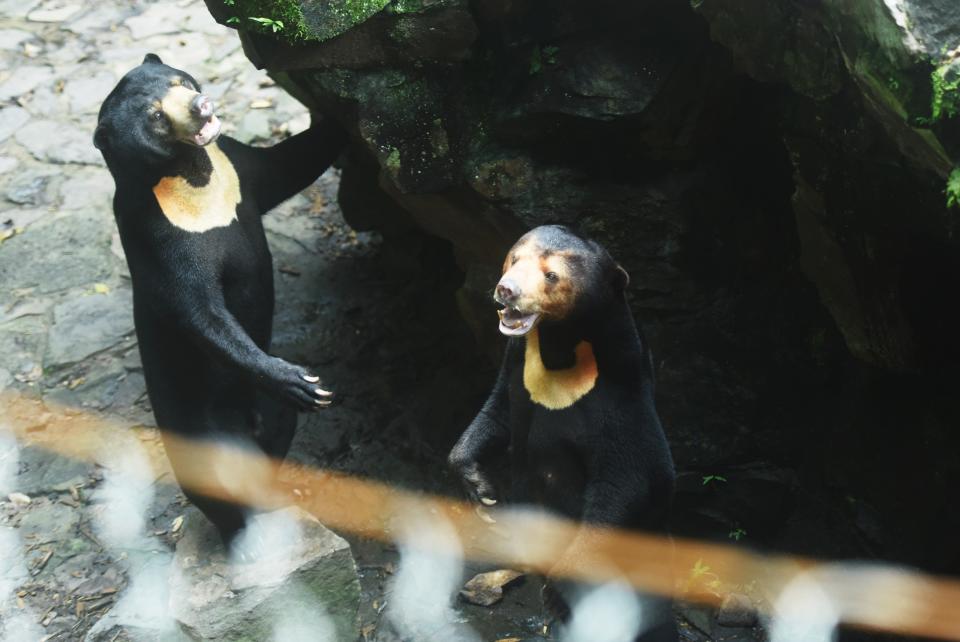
{"x": 311, "y": 20}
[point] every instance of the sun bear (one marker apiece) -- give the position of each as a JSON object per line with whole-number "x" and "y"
{"x": 573, "y": 404}
{"x": 187, "y": 205}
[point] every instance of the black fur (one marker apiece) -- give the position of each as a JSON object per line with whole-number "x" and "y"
{"x": 605, "y": 459}
{"x": 203, "y": 301}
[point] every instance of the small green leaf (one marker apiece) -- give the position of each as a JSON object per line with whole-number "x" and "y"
{"x": 699, "y": 568}
{"x": 737, "y": 534}
{"x": 233, "y": 20}
{"x": 535, "y": 62}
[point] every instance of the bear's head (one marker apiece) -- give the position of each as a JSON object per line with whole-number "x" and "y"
{"x": 551, "y": 274}
{"x": 151, "y": 115}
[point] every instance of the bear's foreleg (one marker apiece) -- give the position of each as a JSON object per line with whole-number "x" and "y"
{"x": 199, "y": 309}
{"x": 487, "y": 434}
{"x": 279, "y": 172}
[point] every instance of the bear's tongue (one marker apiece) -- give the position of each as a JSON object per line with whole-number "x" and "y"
{"x": 208, "y": 132}
{"x": 513, "y": 323}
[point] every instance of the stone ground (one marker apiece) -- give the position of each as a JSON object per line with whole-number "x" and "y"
{"x": 345, "y": 306}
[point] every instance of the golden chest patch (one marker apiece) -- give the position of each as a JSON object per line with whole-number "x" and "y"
{"x": 198, "y": 209}
{"x": 558, "y": 389}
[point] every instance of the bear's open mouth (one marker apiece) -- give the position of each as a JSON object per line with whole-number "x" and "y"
{"x": 208, "y": 132}
{"x": 515, "y": 323}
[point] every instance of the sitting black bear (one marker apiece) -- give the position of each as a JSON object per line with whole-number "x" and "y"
{"x": 573, "y": 402}
{"x": 188, "y": 204}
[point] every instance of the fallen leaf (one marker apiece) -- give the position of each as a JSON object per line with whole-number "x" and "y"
{"x": 42, "y": 562}
{"x": 486, "y": 589}
{"x": 177, "y": 523}
{"x": 101, "y": 288}
{"x": 19, "y": 499}
{"x": 260, "y": 103}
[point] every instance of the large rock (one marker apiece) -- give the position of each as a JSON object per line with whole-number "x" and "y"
{"x": 771, "y": 173}
{"x": 306, "y": 578}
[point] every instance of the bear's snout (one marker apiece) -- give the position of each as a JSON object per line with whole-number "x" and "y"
{"x": 202, "y": 106}
{"x": 507, "y": 291}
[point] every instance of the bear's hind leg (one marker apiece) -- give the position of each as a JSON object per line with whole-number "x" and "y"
{"x": 219, "y": 474}
{"x": 276, "y": 424}
{"x": 228, "y": 518}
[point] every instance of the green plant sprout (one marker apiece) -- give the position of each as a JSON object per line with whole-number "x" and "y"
{"x": 953, "y": 188}
{"x": 945, "y": 101}
{"x": 541, "y": 55}
{"x": 713, "y": 478}
{"x": 269, "y": 23}
{"x": 701, "y": 573}
{"x": 737, "y": 534}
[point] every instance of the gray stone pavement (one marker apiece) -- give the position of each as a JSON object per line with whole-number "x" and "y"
{"x": 66, "y": 327}
{"x": 65, "y": 292}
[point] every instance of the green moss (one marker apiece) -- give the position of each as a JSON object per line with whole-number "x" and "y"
{"x": 417, "y": 6}
{"x": 356, "y": 11}
{"x": 302, "y": 19}
{"x": 408, "y": 6}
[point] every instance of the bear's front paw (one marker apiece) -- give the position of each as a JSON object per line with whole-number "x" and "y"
{"x": 297, "y": 386}
{"x": 479, "y": 487}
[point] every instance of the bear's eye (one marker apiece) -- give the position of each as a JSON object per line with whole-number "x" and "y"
{"x": 552, "y": 277}
{"x": 158, "y": 115}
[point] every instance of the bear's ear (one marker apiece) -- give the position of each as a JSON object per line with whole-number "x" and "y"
{"x": 100, "y": 137}
{"x": 620, "y": 278}
{"x": 152, "y": 58}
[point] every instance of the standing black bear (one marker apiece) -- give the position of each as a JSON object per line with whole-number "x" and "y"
{"x": 573, "y": 402}
{"x": 188, "y": 212}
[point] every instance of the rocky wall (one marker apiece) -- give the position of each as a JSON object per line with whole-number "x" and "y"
{"x": 779, "y": 177}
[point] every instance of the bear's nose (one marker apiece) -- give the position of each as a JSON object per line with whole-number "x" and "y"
{"x": 507, "y": 290}
{"x": 202, "y": 106}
